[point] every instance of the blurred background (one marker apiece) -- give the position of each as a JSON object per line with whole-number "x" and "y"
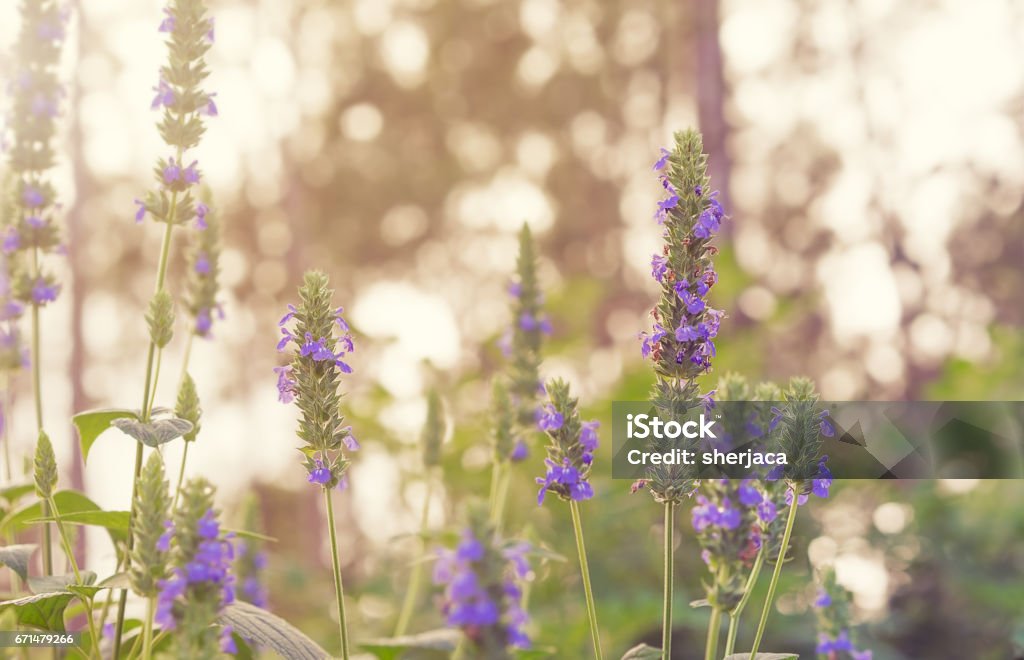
{"x": 870, "y": 155}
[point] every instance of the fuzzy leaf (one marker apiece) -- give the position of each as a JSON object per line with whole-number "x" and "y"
{"x": 42, "y": 611}
{"x": 16, "y": 558}
{"x": 763, "y": 656}
{"x": 443, "y": 639}
{"x": 70, "y": 504}
{"x": 92, "y": 423}
{"x": 48, "y": 584}
{"x": 642, "y": 652}
{"x": 261, "y": 628}
{"x": 154, "y": 433}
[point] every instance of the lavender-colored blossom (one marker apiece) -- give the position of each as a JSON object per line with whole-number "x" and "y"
{"x": 659, "y": 266}
{"x": 588, "y": 435}
{"x": 201, "y": 212}
{"x": 660, "y": 163}
{"x": 164, "y": 97}
{"x": 824, "y": 599}
{"x": 748, "y": 494}
{"x": 825, "y": 425}
{"x": 202, "y": 264}
{"x": 766, "y": 511}
{"x": 519, "y": 452}
{"x": 549, "y": 419}
{"x": 320, "y": 475}
{"x": 43, "y": 292}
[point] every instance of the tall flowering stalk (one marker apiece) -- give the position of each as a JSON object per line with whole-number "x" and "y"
{"x": 515, "y": 403}
{"x": 483, "y": 579}
{"x": 202, "y": 287}
{"x": 183, "y": 105}
{"x": 36, "y": 95}
{"x": 200, "y": 583}
{"x": 681, "y": 342}
{"x": 149, "y": 555}
{"x": 433, "y": 435}
{"x": 570, "y": 456}
{"x": 799, "y": 426}
{"x": 320, "y": 340}
{"x": 832, "y": 614}
{"x": 13, "y": 357}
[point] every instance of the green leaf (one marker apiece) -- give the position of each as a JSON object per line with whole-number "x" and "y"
{"x": 642, "y": 652}
{"x": 442, "y": 639}
{"x": 114, "y": 521}
{"x": 763, "y": 656}
{"x": 92, "y": 423}
{"x": 14, "y": 493}
{"x": 43, "y": 611}
{"x": 153, "y": 433}
{"x": 47, "y": 584}
{"x": 71, "y": 504}
{"x": 16, "y": 558}
{"x": 247, "y": 534}
{"x": 261, "y": 628}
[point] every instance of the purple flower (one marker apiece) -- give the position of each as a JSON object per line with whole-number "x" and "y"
{"x": 32, "y": 197}
{"x": 163, "y": 544}
{"x": 202, "y": 265}
{"x": 800, "y": 500}
{"x": 659, "y": 266}
{"x": 140, "y": 213}
{"x": 201, "y": 211}
{"x": 204, "y": 322}
{"x": 707, "y": 402}
{"x": 825, "y": 425}
{"x": 660, "y": 163}
{"x": 349, "y": 439}
{"x": 766, "y": 511}
{"x": 821, "y": 484}
{"x": 191, "y": 174}
{"x": 515, "y": 289}
{"x": 208, "y": 527}
{"x": 227, "y": 641}
{"x": 43, "y": 293}
{"x": 319, "y": 475}
{"x": 172, "y": 172}
{"x": 748, "y": 494}
{"x": 664, "y": 206}
{"x": 529, "y": 323}
{"x": 550, "y": 419}
{"x": 164, "y": 95}
{"x": 285, "y": 384}
{"x": 588, "y": 435}
{"x": 562, "y": 475}
{"x": 649, "y": 342}
{"x": 823, "y": 600}
{"x": 519, "y": 452}
{"x": 169, "y": 23}
{"x": 210, "y": 109}
{"x": 12, "y": 240}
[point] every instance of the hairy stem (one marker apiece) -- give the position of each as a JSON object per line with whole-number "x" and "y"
{"x": 74, "y": 569}
{"x": 147, "y": 630}
{"x": 339, "y": 589}
{"x": 666, "y": 622}
{"x": 595, "y": 633}
{"x": 715, "y": 624}
{"x": 775, "y": 574}
{"x": 416, "y": 577}
{"x": 734, "y": 615}
{"x": 150, "y": 385}
{"x": 184, "y": 453}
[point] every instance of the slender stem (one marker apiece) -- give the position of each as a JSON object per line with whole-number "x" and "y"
{"x": 595, "y": 633}
{"x": 492, "y": 498}
{"x": 156, "y": 379}
{"x": 775, "y": 574}
{"x": 74, "y": 569}
{"x": 666, "y": 623}
{"x": 734, "y": 615}
{"x": 711, "y": 646}
{"x": 339, "y": 589}
{"x": 416, "y": 578}
{"x": 147, "y": 630}
{"x": 150, "y": 384}
{"x": 181, "y": 476}
{"x": 184, "y": 453}
{"x": 715, "y": 624}
{"x": 37, "y": 395}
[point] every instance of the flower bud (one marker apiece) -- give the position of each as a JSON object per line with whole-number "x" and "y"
{"x": 187, "y": 407}
{"x": 149, "y": 551}
{"x": 45, "y": 467}
{"x": 160, "y": 318}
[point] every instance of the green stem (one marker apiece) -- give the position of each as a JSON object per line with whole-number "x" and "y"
{"x": 595, "y": 633}
{"x": 339, "y": 589}
{"x": 416, "y": 578}
{"x": 150, "y": 385}
{"x": 711, "y": 647}
{"x": 734, "y": 615}
{"x": 37, "y": 395}
{"x": 184, "y": 453}
{"x": 181, "y": 476}
{"x": 74, "y": 569}
{"x": 147, "y": 630}
{"x": 501, "y": 497}
{"x": 666, "y": 622}
{"x": 775, "y": 574}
